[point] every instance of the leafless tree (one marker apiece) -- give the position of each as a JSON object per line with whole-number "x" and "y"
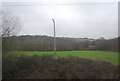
{"x": 10, "y": 24}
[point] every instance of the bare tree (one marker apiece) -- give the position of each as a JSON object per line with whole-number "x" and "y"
{"x": 10, "y": 24}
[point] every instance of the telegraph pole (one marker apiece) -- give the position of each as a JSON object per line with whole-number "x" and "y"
{"x": 54, "y": 36}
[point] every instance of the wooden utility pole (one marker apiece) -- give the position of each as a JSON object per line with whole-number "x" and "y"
{"x": 54, "y": 36}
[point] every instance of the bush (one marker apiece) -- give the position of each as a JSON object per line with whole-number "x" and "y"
{"x": 49, "y": 67}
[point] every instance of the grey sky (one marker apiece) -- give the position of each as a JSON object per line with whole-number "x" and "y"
{"x": 92, "y": 20}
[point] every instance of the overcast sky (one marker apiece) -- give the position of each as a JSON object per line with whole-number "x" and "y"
{"x": 73, "y": 19}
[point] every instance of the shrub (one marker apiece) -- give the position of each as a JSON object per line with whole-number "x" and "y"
{"x": 49, "y": 67}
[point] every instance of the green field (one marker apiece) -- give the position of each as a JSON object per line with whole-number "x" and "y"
{"x": 111, "y": 57}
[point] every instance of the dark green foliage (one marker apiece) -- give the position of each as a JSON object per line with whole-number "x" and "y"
{"x": 49, "y": 67}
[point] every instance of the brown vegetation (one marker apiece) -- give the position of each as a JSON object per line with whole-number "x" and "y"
{"x": 45, "y": 43}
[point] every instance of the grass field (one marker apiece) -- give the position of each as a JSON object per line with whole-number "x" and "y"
{"x": 111, "y": 57}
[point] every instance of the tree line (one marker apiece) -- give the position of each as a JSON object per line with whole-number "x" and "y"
{"x": 46, "y": 43}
